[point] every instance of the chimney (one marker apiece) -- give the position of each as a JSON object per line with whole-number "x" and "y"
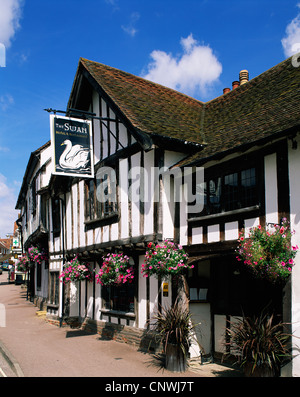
{"x": 244, "y": 76}
{"x": 225, "y": 90}
{"x": 235, "y": 84}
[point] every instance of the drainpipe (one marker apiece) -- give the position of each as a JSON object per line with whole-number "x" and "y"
{"x": 62, "y": 289}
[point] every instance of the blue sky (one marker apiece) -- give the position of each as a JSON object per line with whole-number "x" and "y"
{"x": 197, "y": 47}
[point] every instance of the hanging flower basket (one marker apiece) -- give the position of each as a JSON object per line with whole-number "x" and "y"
{"x": 37, "y": 254}
{"x": 268, "y": 251}
{"x": 75, "y": 271}
{"x": 165, "y": 259}
{"x": 23, "y": 264}
{"x": 116, "y": 270}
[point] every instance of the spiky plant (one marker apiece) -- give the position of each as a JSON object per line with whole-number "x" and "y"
{"x": 259, "y": 341}
{"x": 174, "y": 326}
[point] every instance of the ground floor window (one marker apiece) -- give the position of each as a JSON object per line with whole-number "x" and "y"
{"x": 119, "y": 298}
{"x": 54, "y": 288}
{"x": 38, "y": 276}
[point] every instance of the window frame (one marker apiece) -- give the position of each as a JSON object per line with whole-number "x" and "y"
{"x": 96, "y": 211}
{"x": 56, "y": 219}
{"x": 228, "y": 169}
{"x": 109, "y": 303}
{"x": 53, "y": 288}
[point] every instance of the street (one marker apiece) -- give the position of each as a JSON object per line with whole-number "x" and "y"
{"x": 38, "y": 349}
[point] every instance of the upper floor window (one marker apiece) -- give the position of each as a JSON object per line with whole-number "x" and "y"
{"x": 56, "y": 216}
{"x": 230, "y": 191}
{"x": 33, "y": 196}
{"x": 101, "y": 197}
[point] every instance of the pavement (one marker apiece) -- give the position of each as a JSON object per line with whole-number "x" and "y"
{"x": 32, "y": 347}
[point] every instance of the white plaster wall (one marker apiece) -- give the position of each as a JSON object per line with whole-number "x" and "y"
{"x": 250, "y": 223}
{"x": 74, "y": 296}
{"x": 213, "y": 233}
{"x": 153, "y": 296}
{"x": 82, "y": 298}
{"x": 104, "y": 130}
{"x": 201, "y": 317}
{"x": 81, "y": 213}
{"x": 90, "y": 300}
{"x": 183, "y": 218}
{"x": 142, "y": 298}
{"x": 68, "y": 231}
{"x": 98, "y": 300}
{"x": 96, "y": 128}
{"x": 123, "y": 193}
{"x": 75, "y": 215}
{"x": 231, "y": 231}
{"x": 135, "y": 193}
{"x": 197, "y": 235}
{"x": 294, "y": 168}
{"x": 149, "y": 189}
{"x": 271, "y": 189}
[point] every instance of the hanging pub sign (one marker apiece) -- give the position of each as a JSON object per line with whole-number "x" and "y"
{"x": 71, "y": 141}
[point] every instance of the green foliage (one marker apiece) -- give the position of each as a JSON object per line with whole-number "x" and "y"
{"x": 165, "y": 259}
{"x": 23, "y": 264}
{"x": 75, "y": 271}
{"x": 259, "y": 341}
{"x": 268, "y": 253}
{"x": 173, "y": 325}
{"x": 115, "y": 270}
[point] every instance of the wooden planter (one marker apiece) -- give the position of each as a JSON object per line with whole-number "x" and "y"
{"x": 176, "y": 359}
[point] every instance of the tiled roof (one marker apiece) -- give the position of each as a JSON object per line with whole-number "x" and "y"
{"x": 261, "y": 108}
{"x": 150, "y": 107}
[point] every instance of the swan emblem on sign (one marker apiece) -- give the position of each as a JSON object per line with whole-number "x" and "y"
{"x": 73, "y": 157}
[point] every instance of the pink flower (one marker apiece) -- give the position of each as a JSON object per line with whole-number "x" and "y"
{"x": 281, "y": 230}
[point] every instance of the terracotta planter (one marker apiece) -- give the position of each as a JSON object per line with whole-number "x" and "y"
{"x": 176, "y": 360}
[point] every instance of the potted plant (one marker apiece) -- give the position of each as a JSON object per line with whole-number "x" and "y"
{"x": 23, "y": 264}
{"x": 175, "y": 330}
{"x": 115, "y": 270}
{"x": 164, "y": 260}
{"x": 260, "y": 344}
{"x": 268, "y": 253}
{"x": 37, "y": 254}
{"x": 74, "y": 270}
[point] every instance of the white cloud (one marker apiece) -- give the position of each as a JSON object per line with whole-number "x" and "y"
{"x": 7, "y": 207}
{"x": 291, "y": 42}
{"x": 5, "y": 101}
{"x": 10, "y": 14}
{"x": 130, "y": 28}
{"x": 194, "y": 71}
{"x": 4, "y": 149}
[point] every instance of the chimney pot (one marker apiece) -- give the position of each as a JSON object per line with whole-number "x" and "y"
{"x": 225, "y": 90}
{"x": 244, "y": 76}
{"x": 235, "y": 84}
